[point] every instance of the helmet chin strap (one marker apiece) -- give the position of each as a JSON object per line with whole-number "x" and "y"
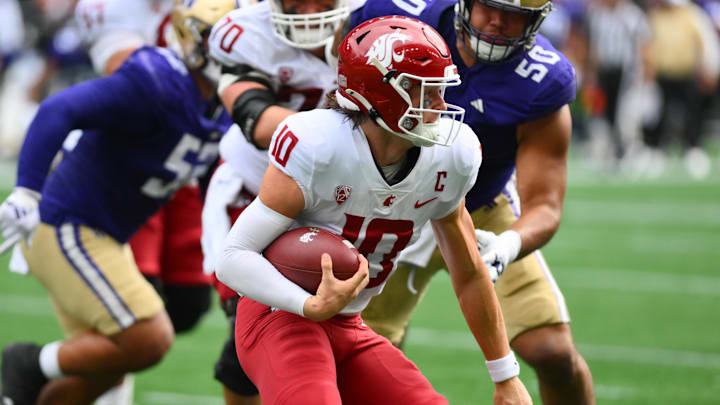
{"x": 429, "y": 132}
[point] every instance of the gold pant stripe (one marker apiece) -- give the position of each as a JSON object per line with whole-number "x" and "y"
{"x": 71, "y": 246}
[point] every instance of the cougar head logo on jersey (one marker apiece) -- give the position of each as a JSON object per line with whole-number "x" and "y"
{"x": 382, "y": 48}
{"x": 342, "y": 193}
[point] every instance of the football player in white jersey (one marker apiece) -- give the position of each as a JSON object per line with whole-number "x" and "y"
{"x": 271, "y": 68}
{"x": 114, "y": 29}
{"x": 274, "y": 64}
{"x": 375, "y": 167}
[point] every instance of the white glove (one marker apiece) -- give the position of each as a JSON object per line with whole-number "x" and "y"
{"x": 223, "y": 189}
{"x": 19, "y": 214}
{"x": 498, "y": 251}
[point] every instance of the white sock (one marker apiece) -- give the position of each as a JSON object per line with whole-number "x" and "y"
{"x": 49, "y": 360}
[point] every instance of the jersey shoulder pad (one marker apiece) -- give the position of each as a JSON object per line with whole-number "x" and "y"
{"x": 466, "y": 150}
{"x": 557, "y": 86}
{"x": 306, "y": 143}
{"x": 459, "y": 163}
{"x": 97, "y": 18}
{"x": 429, "y": 11}
{"x": 160, "y": 73}
{"x": 244, "y": 36}
{"x": 109, "y": 26}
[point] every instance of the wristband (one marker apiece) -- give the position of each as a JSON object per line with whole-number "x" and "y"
{"x": 503, "y": 368}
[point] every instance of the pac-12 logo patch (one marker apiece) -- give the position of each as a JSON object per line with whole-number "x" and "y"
{"x": 285, "y": 74}
{"x": 342, "y": 193}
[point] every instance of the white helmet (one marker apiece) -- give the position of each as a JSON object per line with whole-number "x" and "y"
{"x": 497, "y": 49}
{"x": 307, "y": 31}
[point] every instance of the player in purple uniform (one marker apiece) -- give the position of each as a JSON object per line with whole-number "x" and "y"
{"x": 515, "y": 90}
{"x": 149, "y": 128}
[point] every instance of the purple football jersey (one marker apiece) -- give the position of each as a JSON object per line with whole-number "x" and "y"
{"x": 496, "y": 97}
{"x": 146, "y": 131}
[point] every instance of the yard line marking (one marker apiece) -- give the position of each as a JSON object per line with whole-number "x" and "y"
{"x": 614, "y": 392}
{"x": 641, "y": 243}
{"x": 637, "y": 281}
{"x": 705, "y": 215}
{"x": 621, "y": 354}
{"x": 644, "y": 355}
{"x": 26, "y": 305}
{"x": 159, "y": 397}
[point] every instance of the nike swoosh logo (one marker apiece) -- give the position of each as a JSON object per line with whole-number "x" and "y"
{"x": 419, "y": 204}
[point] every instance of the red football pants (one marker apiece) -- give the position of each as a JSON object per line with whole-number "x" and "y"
{"x": 293, "y": 360}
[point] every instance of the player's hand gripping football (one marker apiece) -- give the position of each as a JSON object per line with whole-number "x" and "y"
{"x": 511, "y": 392}
{"x": 333, "y": 294}
{"x": 497, "y": 251}
{"x": 19, "y": 216}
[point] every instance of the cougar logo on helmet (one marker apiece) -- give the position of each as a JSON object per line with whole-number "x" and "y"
{"x": 381, "y": 49}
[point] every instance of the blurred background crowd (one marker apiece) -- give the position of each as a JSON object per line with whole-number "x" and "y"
{"x": 647, "y": 74}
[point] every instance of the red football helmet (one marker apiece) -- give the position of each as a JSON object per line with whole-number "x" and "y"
{"x": 381, "y": 60}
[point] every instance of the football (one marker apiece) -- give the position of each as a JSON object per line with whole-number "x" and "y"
{"x": 296, "y": 254}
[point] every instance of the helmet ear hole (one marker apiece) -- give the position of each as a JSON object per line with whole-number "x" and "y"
{"x": 361, "y": 37}
{"x": 408, "y": 123}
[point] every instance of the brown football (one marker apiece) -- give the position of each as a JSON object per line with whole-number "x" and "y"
{"x": 296, "y": 254}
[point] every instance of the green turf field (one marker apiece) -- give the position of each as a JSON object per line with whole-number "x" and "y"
{"x": 639, "y": 263}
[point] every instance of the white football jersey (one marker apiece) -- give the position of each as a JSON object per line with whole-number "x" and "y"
{"x": 245, "y": 37}
{"x": 112, "y": 25}
{"x": 345, "y": 193}
{"x": 300, "y": 80}
{"x": 247, "y": 161}
{"x": 12, "y": 29}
